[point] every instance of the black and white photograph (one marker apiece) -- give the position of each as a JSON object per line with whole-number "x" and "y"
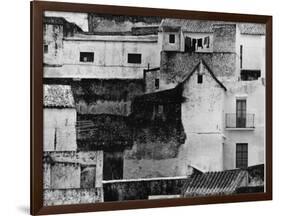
{"x": 146, "y": 107}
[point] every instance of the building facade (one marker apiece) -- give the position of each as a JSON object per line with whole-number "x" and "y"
{"x": 235, "y": 55}
{"x": 150, "y": 101}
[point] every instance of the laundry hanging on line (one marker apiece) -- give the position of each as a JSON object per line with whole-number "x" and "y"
{"x": 193, "y": 44}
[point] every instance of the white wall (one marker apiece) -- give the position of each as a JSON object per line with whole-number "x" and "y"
{"x": 166, "y": 45}
{"x": 110, "y": 57}
{"x": 253, "y": 52}
{"x": 254, "y": 93}
{"x": 15, "y": 114}
{"x": 59, "y": 124}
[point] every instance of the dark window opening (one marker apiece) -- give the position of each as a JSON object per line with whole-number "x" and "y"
{"x": 112, "y": 165}
{"x": 86, "y": 57}
{"x": 199, "y": 78}
{"x": 241, "y": 113}
{"x": 88, "y": 176}
{"x": 134, "y": 58}
{"x": 248, "y": 75}
{"x": 241, "y": 56}
{"x": 156, "y": 83}
{"x": 242, "y": 155}
{"x": 171, "y": 38}
{"x": 46, "y": 48}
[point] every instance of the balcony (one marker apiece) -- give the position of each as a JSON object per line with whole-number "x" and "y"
{"x": 233, "y": 121}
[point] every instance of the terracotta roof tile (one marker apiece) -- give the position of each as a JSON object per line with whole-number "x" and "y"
{"x": 206, "y": 26}
{"x": 59, "y": 96}
{"x": 214, "y": 183}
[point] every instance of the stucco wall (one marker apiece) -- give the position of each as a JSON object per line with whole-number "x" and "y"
{"x": 53, "y": 35}
{"x": 166, "y": 45}
{"x": 202, "y": 110}
{"x": 253, "y": 52}
{"x": 65, "y": 175}
{"x": 59, "y": 129}
{"x": 224, "y": 38}
{"x": 63, "y": 169}
{"x": 202, "y": 118}
{"x": 205, "y": 151}
{"x": 110, "y": 57}
{"x": 254, "y": 93}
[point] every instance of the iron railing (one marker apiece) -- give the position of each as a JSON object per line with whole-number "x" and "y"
{"x": 233, "y": 120}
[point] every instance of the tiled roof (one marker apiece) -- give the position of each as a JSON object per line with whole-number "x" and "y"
{"x": 205, "y": 26}
{"x": 215, "y": 183}
{"x": 189, "y": 25}
{"x": 188, "y": 75}
{"x": 253, "y": 29}
{"x": 165, "y": 96}
{"x": 59, "y": 96}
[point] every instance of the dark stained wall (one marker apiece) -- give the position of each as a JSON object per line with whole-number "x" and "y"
{"x": 176, "y": 65}
{"x": 135, "y": 190}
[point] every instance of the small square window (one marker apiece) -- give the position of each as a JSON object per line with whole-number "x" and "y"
{"x": 171, "y": 38}
{"x": 134, "y": 58}
{"x": 156, "y": 83}
{"x": 199, "y": 78}
{"x": 86, "y": 57}
{"x": 46, "y": 47}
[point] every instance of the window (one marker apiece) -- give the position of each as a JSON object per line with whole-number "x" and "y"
{"x": 241, "y": 55}
{"x": 171, "y": 38}
{"x": 242, "y": 155}
{"x": 156, "y": 83}
{"x": 241, "y": 112}
{"x": 199, "y": 78}
{"x": 134, "y": 58}
{"x": 247, "y": 75}
{"x": 160, "y": 109}
{"x": 88, "y": 176}
{"x": 112, "y": 165}
{"x": 46, "y": 48}
{"x": 86, "y": 57}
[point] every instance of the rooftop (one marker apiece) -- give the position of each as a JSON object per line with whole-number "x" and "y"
{"x": 206, "y": 26}
{"x": 58, "y": 96}
{"x": 215, "y": 183}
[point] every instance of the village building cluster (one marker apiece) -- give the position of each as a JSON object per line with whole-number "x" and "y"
{"x": 147, "y": 108}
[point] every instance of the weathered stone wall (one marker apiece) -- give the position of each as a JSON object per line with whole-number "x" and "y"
{"x": 106, "y": 23}
{"x": 65, "y": 175}
{"x": 53, "y": 35}
{"x": 176, "y": 65}
{"x": 224, "y": 38}
{"x": 68, "y": 169}
{"x": 106, "y": 96}
{"x": 157, "y": 139}
{"x": 141, "y": 189}
{"x": 72, "y": 196}
{"x": 150, "y": 79}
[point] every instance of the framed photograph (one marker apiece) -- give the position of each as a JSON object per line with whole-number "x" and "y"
{"x": 140, "y": 108}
